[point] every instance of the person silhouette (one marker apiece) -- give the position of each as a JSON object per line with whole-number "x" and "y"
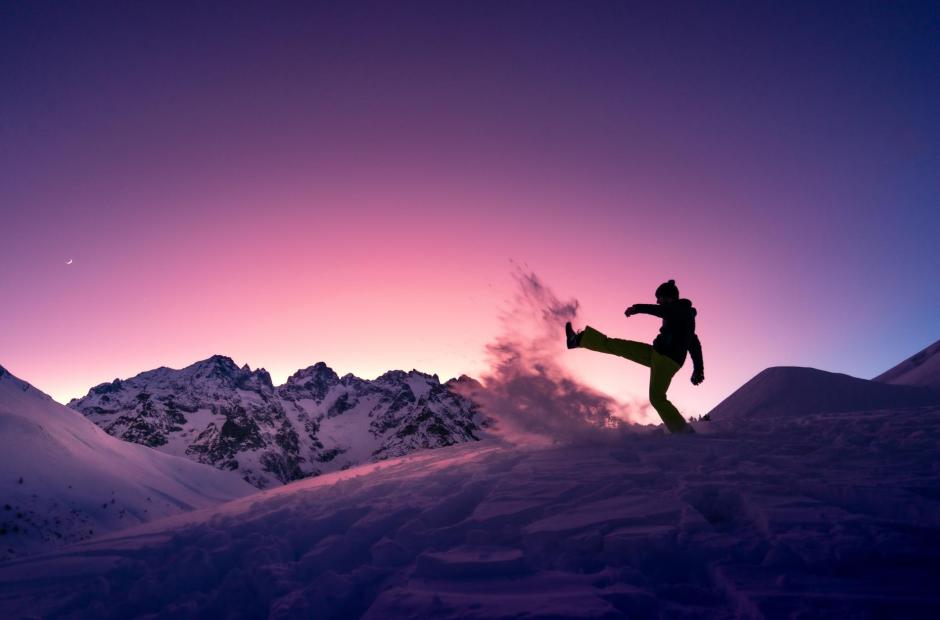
{"x": 664, "y": 357}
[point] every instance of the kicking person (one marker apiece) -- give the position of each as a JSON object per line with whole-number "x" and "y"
{"x": 666, "y": 355}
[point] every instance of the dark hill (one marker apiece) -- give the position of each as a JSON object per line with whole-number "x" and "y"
{"x": 793, "y": 391}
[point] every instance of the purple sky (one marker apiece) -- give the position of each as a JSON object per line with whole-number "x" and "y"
{"x": 289, "y": 183}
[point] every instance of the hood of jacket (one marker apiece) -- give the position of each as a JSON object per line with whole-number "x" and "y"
{"x": 686, "y": 304}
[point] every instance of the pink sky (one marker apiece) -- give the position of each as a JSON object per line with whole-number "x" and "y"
{"x": 350, "y": 187}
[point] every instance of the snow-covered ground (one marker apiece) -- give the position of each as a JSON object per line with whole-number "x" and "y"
{"x": 832, "y": 515}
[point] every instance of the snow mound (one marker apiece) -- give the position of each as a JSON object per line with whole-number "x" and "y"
{"x": 794, "y": 391}
{"x": 65, "y": 480}
{"x": 921, "y": 369}
{"x": 821, "y": 515}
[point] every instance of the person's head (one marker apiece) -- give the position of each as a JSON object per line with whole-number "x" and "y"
{"x": 667, "y": 292}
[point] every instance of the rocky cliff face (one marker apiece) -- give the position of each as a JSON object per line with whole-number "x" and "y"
{"x": 234, "y": 418}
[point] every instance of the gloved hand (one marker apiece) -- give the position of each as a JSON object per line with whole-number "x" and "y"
{"x": 698, "y": 376}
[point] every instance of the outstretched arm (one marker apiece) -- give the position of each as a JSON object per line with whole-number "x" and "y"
{"x": 654, "y": 309}
{"x": 698, "y": 367}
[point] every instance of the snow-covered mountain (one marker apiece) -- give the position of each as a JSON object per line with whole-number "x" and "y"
{"x": 234, "y": 418}
{"x": 795, "y": 391}
{"x": 921, "y": 369}
{"x": 65, "y": 480}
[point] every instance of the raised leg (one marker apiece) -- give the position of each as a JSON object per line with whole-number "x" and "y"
{"x": 638, "y": 352}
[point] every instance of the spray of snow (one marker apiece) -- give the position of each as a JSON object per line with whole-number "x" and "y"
{"x": 527, "y": 392}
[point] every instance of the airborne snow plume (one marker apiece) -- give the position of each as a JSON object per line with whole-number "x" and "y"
{"x": 533, "y": 398}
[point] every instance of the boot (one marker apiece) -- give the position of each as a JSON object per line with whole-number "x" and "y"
{"x": 573, "y": 337}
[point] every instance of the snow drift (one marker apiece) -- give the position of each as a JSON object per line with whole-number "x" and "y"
{"x": 65, "y": 480}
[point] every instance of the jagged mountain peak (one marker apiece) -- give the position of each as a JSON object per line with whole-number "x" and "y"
{"x": 318, "y": 370}
{"x": 401, "y": 375}
{"x": 463, "y": 381}
{"x": 107, "y": 388}
{"x": 224, "y": 369}
{"x": 263, "y": 375}
{"x": 312, "y": 382}
{"x": 216, "y": 362}
{"x": 217, "y": 413}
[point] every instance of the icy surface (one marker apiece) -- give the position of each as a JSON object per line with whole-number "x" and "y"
{"x": 65, "y": 480}
{"x": 821, "y": 515}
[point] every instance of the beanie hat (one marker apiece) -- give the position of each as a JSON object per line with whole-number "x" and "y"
{"x": 668, "y": 289}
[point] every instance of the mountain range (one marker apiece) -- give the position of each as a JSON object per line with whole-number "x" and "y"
{"x": 236, "y": 419}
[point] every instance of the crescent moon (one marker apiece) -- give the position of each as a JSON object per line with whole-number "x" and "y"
{"x": 68, "y": 262}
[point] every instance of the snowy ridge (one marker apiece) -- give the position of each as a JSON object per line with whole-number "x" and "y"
{"x": 66, "y": 480}
{"x": 235, "y": 419}
{"x": 921, "y": 369}
{"x": 796, "y": 391}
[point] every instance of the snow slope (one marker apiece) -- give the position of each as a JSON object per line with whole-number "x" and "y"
{"x": 795, "y": 391}
{"x": 831, "y": 515}
{"x": 64, "y": 479}
{"x": 921, "y": 369}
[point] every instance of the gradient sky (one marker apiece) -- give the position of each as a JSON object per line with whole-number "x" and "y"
{"x": 285, "y": 183}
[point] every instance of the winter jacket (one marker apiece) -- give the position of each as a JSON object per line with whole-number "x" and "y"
{"x": 677, "y": 334}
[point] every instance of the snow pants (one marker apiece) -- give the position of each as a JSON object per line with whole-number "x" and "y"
{"x": 662, "y": 368}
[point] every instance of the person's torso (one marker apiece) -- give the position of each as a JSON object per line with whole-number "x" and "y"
{"x": 675, "y": 334}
